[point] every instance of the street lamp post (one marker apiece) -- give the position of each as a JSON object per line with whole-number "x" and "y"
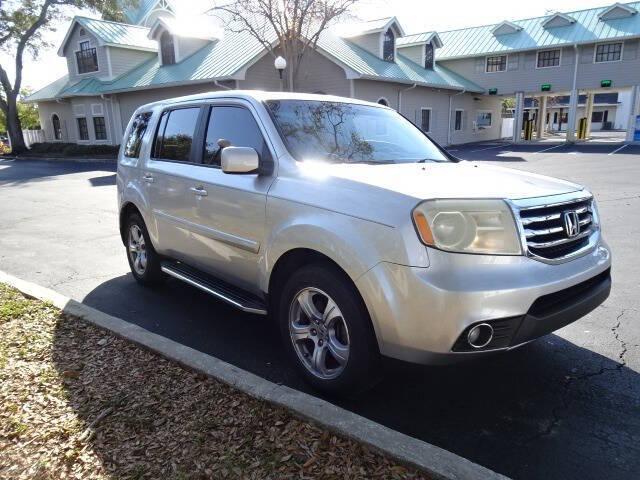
{"x": 280, "y": 63}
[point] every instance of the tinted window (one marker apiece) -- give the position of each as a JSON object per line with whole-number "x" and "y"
{"x": 175, "y": 134}
{"x": 231, "y": 126}
{"x": 134, "y": 141}
{"x": 346, "y": 132}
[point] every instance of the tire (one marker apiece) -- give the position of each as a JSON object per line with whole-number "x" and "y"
{"x": 348, "y": 325}
{"x": 142, "y": 257}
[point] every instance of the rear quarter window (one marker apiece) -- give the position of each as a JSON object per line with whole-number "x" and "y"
{"x": 136, "y": 134}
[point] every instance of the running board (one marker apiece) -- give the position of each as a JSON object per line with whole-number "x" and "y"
{"x": 234, "y": 296}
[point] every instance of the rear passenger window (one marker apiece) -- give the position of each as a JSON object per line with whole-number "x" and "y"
{"x": 138, "y": 129}
{"x": 231, "y": 126}
{"x": 175, "y": 134}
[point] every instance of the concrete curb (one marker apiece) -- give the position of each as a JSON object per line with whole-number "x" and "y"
{"x": 436, "y": 462}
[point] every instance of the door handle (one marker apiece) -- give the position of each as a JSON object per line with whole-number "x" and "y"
{"x": 199, "y": 191}
{"x": 148, "y": 178}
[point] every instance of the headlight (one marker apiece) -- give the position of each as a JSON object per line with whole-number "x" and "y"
{"x": 468, "y": 226}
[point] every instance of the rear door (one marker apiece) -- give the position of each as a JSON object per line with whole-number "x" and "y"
{"x": 231, "y": 208}
{"x": 168, "y": 176}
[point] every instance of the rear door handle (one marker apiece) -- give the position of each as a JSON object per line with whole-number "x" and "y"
{"x": 148, "y": 178}
{"x": 199, "y": 191}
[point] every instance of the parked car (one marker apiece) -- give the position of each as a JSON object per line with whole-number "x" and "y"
{"x": 360, "y": 236}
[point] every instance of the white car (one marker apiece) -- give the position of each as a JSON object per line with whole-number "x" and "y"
{"x": 350, "y": 227}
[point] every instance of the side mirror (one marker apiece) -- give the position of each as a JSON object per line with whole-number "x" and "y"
{"x": 239, "y": 160}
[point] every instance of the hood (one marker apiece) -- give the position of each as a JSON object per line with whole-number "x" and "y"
{"x": 450, "y": 180}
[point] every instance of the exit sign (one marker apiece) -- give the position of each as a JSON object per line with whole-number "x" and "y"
{"x": 606, "y": 83}
{"x": 545, "y": 87}
{"x": 493, "y": 91}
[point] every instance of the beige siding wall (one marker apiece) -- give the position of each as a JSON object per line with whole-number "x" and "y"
{"x": 130, "y": 101}
{"x": 319, "y": 74}
{"x": 46, "y": 110}
{"x": 415, "y": 53}
{"x": 261, "y": 76}
{"x": 522, "y": 73}
{"x": 187, "y": 46}
{"x": 70, "y": 54}
{"x": 371, "y": 43}
{"x": 414, "y": 100}
{"x": 124, "y": 59}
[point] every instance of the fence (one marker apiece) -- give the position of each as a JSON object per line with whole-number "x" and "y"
{"x": 31, "y": 137}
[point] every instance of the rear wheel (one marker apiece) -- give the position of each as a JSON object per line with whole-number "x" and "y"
{"x": 327, "y": 331}
{"x": 143, "y": 259}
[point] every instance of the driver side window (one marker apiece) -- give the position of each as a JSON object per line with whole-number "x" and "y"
{"x": 230, "y": 126}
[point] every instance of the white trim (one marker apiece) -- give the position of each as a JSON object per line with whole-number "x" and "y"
{"x": 461, "y": 129}
{"x": 553, "y": 16}
{"x": 630, "y": 10}
{"x": 486, "y": 63}
{"x": 422, "y": 109}
{"x": 505, "y": 23}
{"x": 352, "y": 88}
{"x": 538, "y": 52}
{"x": 595, "y": 52}
{"x": 485, "y": 127}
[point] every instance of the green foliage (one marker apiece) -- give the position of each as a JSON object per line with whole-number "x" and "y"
{"x": 73, "y": 149}
{"x": 27, "y": 113}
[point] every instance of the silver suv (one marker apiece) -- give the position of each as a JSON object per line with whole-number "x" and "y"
{"x": 360, "y": 236}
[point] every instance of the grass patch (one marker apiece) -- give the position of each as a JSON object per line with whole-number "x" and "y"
{"x": 78, "y": 402}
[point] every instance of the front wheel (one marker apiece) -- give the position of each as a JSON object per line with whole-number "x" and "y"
{"x": 327, "y": 332}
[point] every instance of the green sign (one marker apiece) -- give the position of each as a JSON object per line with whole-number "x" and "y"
{"x": 545, "y": 87}
{"x": 493, "y": 91}
{"x": 606, "y": 83}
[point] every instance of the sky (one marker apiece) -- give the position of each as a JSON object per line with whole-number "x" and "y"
{"x": 414, "y": 15}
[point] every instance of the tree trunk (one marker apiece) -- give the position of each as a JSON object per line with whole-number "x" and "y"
{"x": 14, "y": 128}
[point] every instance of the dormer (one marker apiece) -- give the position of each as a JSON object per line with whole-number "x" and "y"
{"x": 505, "y": 28}
{"x": 378, "y": 37}
{"x": 617, "y": 11}
{"x": 146, "y": 12}
{"x": 558, "y": 20}
{"x": 177, "y": 39}
{"x": 420, "y": 48}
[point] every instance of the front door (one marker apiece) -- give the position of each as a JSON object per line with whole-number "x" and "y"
{"x": 231, "y": 208}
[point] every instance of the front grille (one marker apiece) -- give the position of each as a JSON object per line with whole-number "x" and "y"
{"x": 545, "y": 232}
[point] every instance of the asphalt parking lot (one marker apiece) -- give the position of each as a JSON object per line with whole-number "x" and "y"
{"x": 566, "y": 406}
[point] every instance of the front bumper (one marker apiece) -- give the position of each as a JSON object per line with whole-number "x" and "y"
{"x": 420, "y": 314}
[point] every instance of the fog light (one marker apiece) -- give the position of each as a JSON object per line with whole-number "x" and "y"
{"x": 480, "y": 336}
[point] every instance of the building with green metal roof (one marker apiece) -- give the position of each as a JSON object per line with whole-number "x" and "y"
{"x": 449, "y": 83}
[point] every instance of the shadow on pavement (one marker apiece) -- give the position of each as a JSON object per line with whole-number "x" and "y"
{"x": 13, "y": 172}
{"x": 535, "y": 412}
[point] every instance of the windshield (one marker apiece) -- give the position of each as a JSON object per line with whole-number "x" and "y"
{"x": 348, "y": 133}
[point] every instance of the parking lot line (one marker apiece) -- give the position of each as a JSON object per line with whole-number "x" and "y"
{"x": 618, "y": 149}
{"x": 550, "y": 148}
{"x": 489, "y": 148}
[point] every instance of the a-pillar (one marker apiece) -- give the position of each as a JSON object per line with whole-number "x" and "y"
{"x": 542, "y": 117}
{"x": 635, "y": 112}
{"x": 573, "y": 113}
{"x": 588, "y": 112}
{"x": 517, "y": 117}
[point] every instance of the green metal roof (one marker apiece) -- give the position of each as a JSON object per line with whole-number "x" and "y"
{"x": 403, "y": 70}
{"x": 118, "y": 34}
{"x": 414, "y": 39}
{"x": 136, "y": 13}
{"x": 587, "y": 28}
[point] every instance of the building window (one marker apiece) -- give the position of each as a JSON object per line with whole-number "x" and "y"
{"x": 608, "y": 52}
{"x": 383, "y": 101}
{"x": 82, "y": 32}
{"x": 457, "y": 126}
{"x": 497, "y": 64}
{"x": 428, "y": 56}
{"x": 484, "y": 119}
{"x": 83, "y": 131}
{"x": 57, "y": 131}
{"x": 549, "y": 58}
{"x": 388, "y": 46}
{"x": 425, "y": 120}
{"x": 86, "y": 58}
{"x": 167, "y": 49}
{"x": 100, "y": 128}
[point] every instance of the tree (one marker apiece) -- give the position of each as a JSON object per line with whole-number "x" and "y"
{"x": 27, "y": 113}
{"x": 286, "y": 27}
{"x": 22, "y": 27}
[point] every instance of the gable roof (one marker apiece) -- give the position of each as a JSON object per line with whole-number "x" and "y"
{"x": 365, "y": 65}
{"x": 370, "y": 26}
{"x": 419, "y": 39}
{"x": 506, "y": 27}
{"x": 617, "y": 10}
{"x": 136, "y": 14}
{"x": 112, "y": 34}
{"x": 558, "y": 19}
{"x": 587, "y": 28}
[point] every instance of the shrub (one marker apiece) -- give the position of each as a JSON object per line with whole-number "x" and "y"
{"x": 74, "y": 149}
